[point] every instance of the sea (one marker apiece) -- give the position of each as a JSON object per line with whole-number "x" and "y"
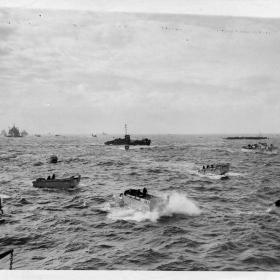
{"x": 209, "y": 223}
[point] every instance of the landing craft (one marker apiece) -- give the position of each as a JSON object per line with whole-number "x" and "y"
{"x": 127, "y": 141}
{"x": 215, "y": 169}
{"x": 63, "y": 183}
{"x": 141, "y": 200}
{"x": 260, "y": 147}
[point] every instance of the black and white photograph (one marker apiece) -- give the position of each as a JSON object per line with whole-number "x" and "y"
{"x": 140, "y": 136}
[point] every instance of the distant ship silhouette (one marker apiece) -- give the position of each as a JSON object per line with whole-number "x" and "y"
{"x": 14, "y": 132}
{"x": 127, "y": 141}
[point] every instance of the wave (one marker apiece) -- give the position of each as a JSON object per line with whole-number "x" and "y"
{"x": 111, "y": 163}
{"x": 227, "y": 150}
{"x": 260, "y": 152}
{"x": 236, "y": 174}
{"x": 4, "y": 195}
{"x": 273, "y": 210}
{"x": 210, "y": 176}
{"x": 178, "y": 203}
{"x": 214, "y": 176}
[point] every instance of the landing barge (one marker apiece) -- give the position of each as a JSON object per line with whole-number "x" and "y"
{"x": 260, "y": 148}
{"x": 64, "y": 183}
{"x": 127, "y": 141}
{"x": 141, "y": 200}
{"x": 215, "y": 169}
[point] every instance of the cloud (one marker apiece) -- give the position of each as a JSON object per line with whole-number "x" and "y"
{"x": 71, "y": 71}
{"x": 256, "y": 8}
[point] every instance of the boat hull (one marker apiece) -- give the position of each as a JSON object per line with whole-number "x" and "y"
{"x": 57, "y": 183}
{"x": 216, "y": 170}
{"x": 260, "y": 151}
{"x": 120, "y": 141}
{"x": 142, "y": 204}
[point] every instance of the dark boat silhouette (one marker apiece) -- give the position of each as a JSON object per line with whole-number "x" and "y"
{"x": 64, "y": 183}
{"x": 246, "y": 138}
{"x": 141, "y": 200}
{"x": 215, "y": 169}
{"x": 260, "y": 148}
{"x": 53, "y": 159}
{"x": 127, "y": 141}
{"x": 14, "y": 132}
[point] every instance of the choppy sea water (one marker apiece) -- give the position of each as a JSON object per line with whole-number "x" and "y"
{"x": 209, "y": 224}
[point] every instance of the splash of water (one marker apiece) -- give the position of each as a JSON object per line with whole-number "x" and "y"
{"x": 128, "y": 214}
{"x": 273, "y": 210}
{"x": 177, "y": 203}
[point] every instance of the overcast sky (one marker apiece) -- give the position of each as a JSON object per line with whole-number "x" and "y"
{"x": 254, "y": 8}
{"x": 83, "y": 71}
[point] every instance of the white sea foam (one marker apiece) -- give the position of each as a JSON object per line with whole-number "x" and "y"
{"x": 208, "y": 175}
{"x": 273, "y": 210}
{"x": 177, "y": 203}
{"x": 4, "y": 195}
{"x": 235, "y": 174}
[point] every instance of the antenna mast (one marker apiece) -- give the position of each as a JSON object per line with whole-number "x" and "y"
{"x": 125, "y": 128}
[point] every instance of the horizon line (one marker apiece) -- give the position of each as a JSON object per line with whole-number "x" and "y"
{"x": 167, "y": 133}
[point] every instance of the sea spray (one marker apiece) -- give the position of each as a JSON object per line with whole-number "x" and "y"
{"x": 176, "y": 203}
{"x": 179, "y": 203}
{"x": 132, "y": 215}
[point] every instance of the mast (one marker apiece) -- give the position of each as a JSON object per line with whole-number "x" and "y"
{"x": 126, "y": 137}
{"x": 125, "y": 129}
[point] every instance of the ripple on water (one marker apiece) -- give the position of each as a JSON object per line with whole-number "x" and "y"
{"x": 210, "y": 224}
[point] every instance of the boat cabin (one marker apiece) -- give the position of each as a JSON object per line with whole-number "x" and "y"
{"x": 138, "y": 193}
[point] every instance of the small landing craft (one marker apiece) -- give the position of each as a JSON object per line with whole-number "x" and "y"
{"x": 260, "y": 148}
{"x": 141, "y": 200}
{"x": 215, "y": 169}
{"x": 64, "y": 183}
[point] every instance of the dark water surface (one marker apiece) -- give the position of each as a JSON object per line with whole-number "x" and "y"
{"x": 209, "y": 224}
